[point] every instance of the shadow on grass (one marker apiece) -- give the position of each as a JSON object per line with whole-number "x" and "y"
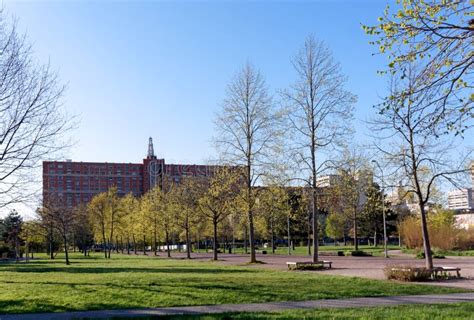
{"x": 43, "y": 307}
{"x": 33, "y": 268}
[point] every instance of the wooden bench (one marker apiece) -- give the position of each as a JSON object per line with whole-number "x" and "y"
{"x": 446, "y": 271}
{"x": 303, "y": 265}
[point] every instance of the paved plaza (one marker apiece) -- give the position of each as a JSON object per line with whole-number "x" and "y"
{"x": 365, "y": 267}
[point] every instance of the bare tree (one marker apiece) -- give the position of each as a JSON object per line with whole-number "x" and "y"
{"x": 32, "y": 124}
{"x": 62, "y": 218}
{"x": 354, "y": 177}
{"x": 411, "y": 137}
{"x": 246, "y": 130}
{"x": 320, "y": 110}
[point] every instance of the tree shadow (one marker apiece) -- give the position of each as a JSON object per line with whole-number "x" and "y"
{"x": 108, "y": 269}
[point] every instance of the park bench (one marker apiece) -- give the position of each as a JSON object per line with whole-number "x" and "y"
{"x": 309, "y": 265}
{"x": 446, "y": 271}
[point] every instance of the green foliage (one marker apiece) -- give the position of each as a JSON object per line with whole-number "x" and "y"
{"x": 12, "y": 228}
{"x": 434, "y": 255}
{"x": 335, "y": 225}
{"x": 359, "y": 253}
{"x": 437, "y": 36}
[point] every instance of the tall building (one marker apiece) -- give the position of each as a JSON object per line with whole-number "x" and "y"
{"x": 78, "y": 182}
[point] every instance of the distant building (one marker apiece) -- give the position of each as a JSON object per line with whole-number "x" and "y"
{"x": 461, "y": 200}
{"x": 472, "y": 172}
{"x": 327, "y": 181}
{"x": 79, "y": 182}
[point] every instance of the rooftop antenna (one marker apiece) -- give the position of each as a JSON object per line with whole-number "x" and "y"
{"x": 151, "y": 153}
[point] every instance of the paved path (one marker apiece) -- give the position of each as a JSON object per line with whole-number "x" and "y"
{"x": 252, "y": 307}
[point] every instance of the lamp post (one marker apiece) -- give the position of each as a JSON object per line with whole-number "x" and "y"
{"x": 383, "y": 210}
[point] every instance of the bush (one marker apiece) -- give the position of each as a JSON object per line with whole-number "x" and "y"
{"x": 435, "y": 255}
{"x": 407, "y": 273}
{"x": 311, "y": 267}
{"x": 359, "y": 253}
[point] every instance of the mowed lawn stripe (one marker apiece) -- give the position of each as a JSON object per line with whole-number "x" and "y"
{"x": 139, "y": 282}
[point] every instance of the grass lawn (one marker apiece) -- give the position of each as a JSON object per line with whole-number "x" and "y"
{"x": 419, "y": 312}
{"x": 137, "y": 282}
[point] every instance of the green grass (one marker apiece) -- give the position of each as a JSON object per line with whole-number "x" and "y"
{"x": 419, "y": 312}
{"x": 137, "y": 282}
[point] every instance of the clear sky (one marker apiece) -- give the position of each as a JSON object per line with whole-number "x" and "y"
{"x": 136, "y": 69}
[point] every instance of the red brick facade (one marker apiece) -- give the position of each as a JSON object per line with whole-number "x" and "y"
{"x": 78, "y": 182}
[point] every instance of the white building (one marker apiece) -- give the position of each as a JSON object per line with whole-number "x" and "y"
{"x": 327, "y": 181}
{"x": 472, "y": 172}
{"x": 461, "y": 200}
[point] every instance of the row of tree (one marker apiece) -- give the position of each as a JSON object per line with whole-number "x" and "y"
{"x": 428, "y": 106}
{"x": 208, "y": 210}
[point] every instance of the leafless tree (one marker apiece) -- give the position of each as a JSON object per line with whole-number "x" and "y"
{"x": 320, "y": 110}
{"x": 32, "y": 124}
{"x": 411, "y": 135}
{"x": 56, "y": 214}
{"x": 354, "y": 176}
{"x": 246, "y": 129}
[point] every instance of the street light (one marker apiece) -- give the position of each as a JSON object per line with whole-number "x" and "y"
{"x": 383, "y": 211}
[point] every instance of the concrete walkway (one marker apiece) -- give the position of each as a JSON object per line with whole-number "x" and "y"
{"x": 251, "y": 307}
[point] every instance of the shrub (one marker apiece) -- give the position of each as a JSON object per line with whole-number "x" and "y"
{"x": 311, "y": 267}
{"x": 407, "y": 273}
{"x": 359, "y": 253}
{"x": 435, "y": 255}
{"x": 444, "y": 233}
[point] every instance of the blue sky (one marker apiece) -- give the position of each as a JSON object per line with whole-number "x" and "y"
{"x": 138, "y": 69}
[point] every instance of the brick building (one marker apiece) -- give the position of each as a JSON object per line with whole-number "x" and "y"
{"x": 78, "y": 182}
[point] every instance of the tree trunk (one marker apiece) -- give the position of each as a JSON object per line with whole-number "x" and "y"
{"x": 356, "y": 242}
{"x": 134, "y": 244}
{"x": 214, "y": 244}
{"x": 155, "y": 241}
{"x": 309, "y": 235}
{"x": 51, "y": 248}
{"x": 273, "y": 236}
{"x": 289, "y": 237}
{"x": 144, "y": 245}
{"x": 65, "y": 250}
{"x": 315, "y": 225}
{"x": 426, "y": 238}
{"x": 253, "y": 257}
{"x": 245, "y": 239}
{"x": 17, "y": 249}
{"x": 105, "y": 246}
{"x": 168, "y": 243}
{"x": 188, "y": 243}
